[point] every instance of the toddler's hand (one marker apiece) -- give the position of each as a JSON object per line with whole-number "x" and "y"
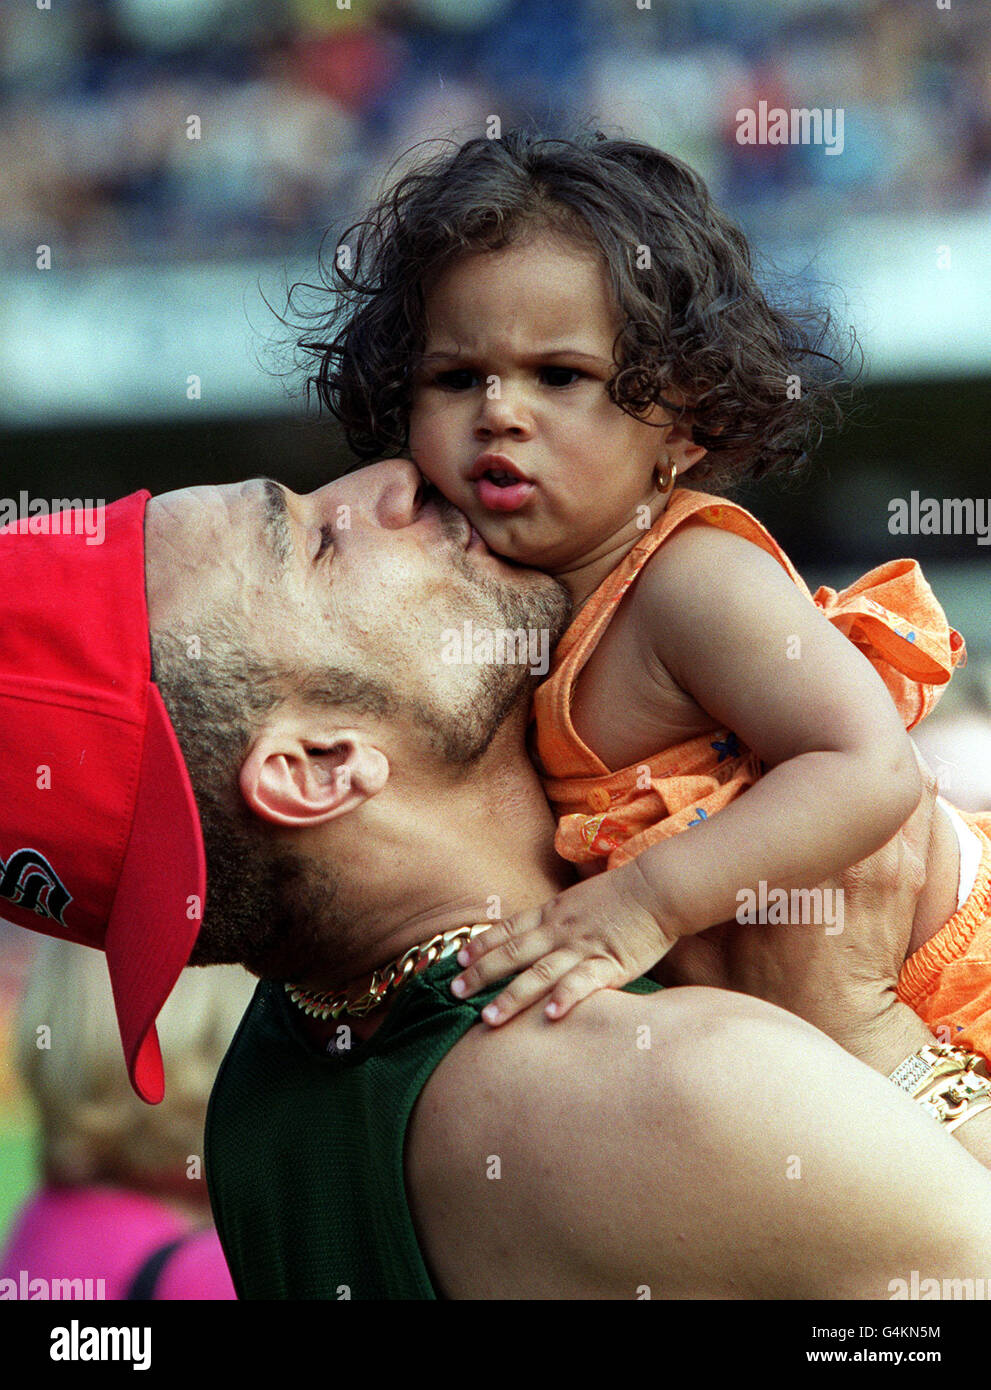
{"x": 600, "y": 934}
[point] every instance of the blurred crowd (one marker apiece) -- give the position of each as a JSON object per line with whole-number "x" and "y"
{"x": 118, "y": 1194}
{"x": 195, "y": 129}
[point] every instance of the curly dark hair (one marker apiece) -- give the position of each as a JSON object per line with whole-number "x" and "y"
{"x": 699, "y": 333}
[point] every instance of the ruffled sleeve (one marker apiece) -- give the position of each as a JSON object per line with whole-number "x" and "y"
{"x": 895, "y": 619}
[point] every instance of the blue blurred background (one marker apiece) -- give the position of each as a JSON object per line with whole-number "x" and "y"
{"x": 165, "y": 248}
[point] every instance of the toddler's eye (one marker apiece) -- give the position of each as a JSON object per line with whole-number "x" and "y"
{"x": 459, "y": 379}
{"x": 554, "y": 375}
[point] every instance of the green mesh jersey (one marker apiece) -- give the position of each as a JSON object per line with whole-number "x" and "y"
{"x": 304, "y": 1149}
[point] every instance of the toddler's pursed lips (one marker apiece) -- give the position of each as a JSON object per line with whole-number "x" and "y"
{"x": 499, "y": 484}
{"x": 496, "y": 466}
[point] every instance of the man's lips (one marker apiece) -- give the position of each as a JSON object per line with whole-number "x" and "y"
{"x": 436, "y": 511}
{"x": 500, "y": 484}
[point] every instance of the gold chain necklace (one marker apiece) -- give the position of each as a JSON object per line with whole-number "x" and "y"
{"x": 386, "y": 980}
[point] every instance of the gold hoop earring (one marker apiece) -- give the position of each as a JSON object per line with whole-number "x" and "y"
{"x": 665, "y": 482}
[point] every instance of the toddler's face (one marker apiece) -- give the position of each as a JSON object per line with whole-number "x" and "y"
{"x": 518, "y": 353}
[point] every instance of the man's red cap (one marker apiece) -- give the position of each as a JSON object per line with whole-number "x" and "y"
{"x": 100, "y": 839}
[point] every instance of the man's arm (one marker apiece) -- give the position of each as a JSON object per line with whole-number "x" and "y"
{"x": 693, "y": 1143}
{"x": 843, "y": 983}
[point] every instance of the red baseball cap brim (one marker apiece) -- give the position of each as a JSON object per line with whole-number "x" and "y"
{"x": 161, "y": 889}
{"x": 100, "y": 839}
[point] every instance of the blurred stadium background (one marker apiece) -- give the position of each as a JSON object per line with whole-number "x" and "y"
{"x": 164, "y": 249}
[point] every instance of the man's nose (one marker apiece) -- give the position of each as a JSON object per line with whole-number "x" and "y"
{"x": 400, "y": 489}
{"x": 383, "y": 494}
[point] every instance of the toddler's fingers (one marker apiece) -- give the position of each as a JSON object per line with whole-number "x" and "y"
{"x": 512, "y": 955}
{"x": 578, "y": 984}
{"x": 533, "y": 984}
{"x": 497, "y": 935}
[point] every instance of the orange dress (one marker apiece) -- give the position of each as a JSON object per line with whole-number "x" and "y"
{"x": 893, "y": 617}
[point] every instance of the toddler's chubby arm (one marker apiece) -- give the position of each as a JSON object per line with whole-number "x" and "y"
{"x": 727, "y": 624}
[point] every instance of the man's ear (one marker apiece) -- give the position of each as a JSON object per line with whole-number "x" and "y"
{"x": 292, "y": 780}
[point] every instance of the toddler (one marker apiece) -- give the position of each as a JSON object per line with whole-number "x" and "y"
{"x": 559, "y": 334}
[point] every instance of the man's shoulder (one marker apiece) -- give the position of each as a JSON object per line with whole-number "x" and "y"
{"x": 553, "y": 1122}
{"x": 532, "y": 1079}
{"x": 610, "y": 1036}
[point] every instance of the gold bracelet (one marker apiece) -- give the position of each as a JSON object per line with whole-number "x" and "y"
{"x": 956, "y": 1099}
{"x": 952, "y": 1085}
{"x": 918, "y": 1072}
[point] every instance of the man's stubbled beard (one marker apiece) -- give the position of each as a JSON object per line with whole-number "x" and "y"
{"x": 333, "y": 910}
{"x": 534, "y": 602}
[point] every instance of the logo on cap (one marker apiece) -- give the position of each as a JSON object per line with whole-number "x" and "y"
{"x": 28, "y": 880}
